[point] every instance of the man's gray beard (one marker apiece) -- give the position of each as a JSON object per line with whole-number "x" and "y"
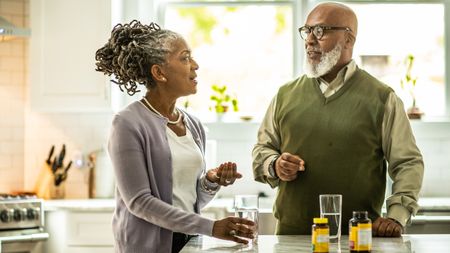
{"x": 327, "y": 61}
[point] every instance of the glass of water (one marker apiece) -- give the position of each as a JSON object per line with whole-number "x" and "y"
{"x": 331, "y": 208}
{"x": 246, "y": 206}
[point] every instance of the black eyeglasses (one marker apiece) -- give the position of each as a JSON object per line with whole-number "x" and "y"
{"x": 318, "y": 30}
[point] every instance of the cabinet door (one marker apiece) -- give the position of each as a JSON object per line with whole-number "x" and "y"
{"x": 65, "y": 35}
{"x": 89, "y": 229}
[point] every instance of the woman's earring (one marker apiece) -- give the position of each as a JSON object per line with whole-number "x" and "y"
{"x": 163, "y": 79}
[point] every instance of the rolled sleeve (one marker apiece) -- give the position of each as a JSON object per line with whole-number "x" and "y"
{"x": 266, "y": 148}
{"x": 405, "y": 161}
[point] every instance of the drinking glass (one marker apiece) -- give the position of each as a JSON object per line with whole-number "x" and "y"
{"x": 331, "y": 208}
{"x": 246, "y": 206}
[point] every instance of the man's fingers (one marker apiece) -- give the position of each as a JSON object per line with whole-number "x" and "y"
{"x": 287, "y": 174}
{"x": 397, "y": 231}
{"x": 291, "y": 162}
{"x": 289, "y": 178}
{"x": 291, "y": 158}
{"x": 390, "y": 228}
{"x": 380, "y": 229}
{"x": 383, "y": 227}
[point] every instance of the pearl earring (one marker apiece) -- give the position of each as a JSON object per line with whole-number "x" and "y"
{"x": 164, "y": 79}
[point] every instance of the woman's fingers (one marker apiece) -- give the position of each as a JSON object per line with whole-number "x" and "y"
{"x": 242, "y": 227}
{"x": 234, "y": 229}
{"x": 227, "y": 174}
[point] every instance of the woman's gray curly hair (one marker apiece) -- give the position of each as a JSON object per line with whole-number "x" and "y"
{"x": 131, "y": 51}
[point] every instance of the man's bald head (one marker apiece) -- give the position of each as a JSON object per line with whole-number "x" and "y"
{"x": 329, "y": 53}
{"x": 337, "y": 14}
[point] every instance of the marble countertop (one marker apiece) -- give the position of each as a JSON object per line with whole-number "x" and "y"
{"x": 302, "y": 243}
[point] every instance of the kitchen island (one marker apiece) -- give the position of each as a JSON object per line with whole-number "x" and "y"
{"x": 435, "y": 243}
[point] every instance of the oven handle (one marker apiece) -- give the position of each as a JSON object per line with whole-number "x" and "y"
{"x": 20, "y": 238}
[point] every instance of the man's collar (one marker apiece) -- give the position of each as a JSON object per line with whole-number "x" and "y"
{"x": 344, "y": 74}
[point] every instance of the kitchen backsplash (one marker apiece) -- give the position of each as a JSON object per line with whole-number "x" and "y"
{"x": 13, "y": 75}
{"x": 27, "y": 135}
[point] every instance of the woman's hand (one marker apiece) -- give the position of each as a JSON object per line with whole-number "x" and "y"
{"x": 232, "y": 227}
{"x": 224, "y": 175}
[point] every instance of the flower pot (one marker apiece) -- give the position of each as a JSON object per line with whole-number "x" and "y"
{"x": 414, "y": 113}
{"x": 221, "y": 108}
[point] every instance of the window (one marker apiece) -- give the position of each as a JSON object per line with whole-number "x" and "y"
{"x": 251, "y": 46}
{"x": 246, "y": 46}
{"x": 388, "y": 33}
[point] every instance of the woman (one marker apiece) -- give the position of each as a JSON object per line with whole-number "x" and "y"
{"x": 157, "y": 150}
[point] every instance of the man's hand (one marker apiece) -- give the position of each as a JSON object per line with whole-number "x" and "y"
{"x": 287, "y": 166}
{"x": 383, "y": 227}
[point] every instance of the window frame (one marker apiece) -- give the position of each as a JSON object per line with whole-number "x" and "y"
{"x": 300, "y": 10}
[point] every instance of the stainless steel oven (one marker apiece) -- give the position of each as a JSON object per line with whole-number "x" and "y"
{"x": 21, "y": 223}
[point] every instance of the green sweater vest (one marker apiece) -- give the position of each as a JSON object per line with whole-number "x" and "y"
{"x": 339, "y": 138}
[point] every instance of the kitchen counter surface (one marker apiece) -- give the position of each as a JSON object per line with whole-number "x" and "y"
{"x": 96, "y": 205}
{"x": 435, "y": 243}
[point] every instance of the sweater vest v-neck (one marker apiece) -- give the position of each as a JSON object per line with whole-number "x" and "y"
{"x": 339, "y": 138}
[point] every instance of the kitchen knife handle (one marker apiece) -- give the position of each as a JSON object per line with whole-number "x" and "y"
{"x": 49, "y": 159}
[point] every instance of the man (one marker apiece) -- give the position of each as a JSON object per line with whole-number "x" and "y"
{"x": 337, "y": 129}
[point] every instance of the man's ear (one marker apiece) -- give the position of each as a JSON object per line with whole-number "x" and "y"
{"x": 349, "y": 41}
{"x": 158, "y": 73}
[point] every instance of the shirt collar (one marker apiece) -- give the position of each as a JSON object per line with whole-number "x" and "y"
{"x": 344, "y": 74}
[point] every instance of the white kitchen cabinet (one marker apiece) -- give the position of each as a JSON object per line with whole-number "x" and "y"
{"x": 81, "y": 226}
{"x": 65, "y": 35}
{"x": 81, "y": 232}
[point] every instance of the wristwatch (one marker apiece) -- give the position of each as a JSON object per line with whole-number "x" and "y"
{"x": 272, "y": 171}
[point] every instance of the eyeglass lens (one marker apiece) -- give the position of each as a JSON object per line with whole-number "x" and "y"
{"x": 316, "y": 30}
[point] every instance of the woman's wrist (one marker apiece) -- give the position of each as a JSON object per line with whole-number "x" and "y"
{"x": 211, "y": 179}
{"x": 209, "y": 186}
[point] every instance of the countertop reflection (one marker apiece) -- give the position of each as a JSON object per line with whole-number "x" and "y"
{"x": 302, "y": 243}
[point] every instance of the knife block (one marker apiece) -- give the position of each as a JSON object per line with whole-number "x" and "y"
{"x": 57, "y": 191}
{"x": 44, "y": 180}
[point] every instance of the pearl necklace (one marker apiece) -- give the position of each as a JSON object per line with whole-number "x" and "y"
{"x": 168, "y": 121}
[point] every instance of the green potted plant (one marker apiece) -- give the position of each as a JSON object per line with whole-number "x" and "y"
{"x": 222, "y": 100}
{"x": 408, "y": 82}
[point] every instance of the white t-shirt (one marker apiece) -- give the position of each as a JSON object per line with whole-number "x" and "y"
{"x": 187, "y": 159}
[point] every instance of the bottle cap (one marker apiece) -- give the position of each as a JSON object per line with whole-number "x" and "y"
{"x": 320, "y": 220}
{"x": 360, "y": 214}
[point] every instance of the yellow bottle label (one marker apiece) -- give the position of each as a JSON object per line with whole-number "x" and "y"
{"x": 364, "y": 236}
{"x": 352, "y": 237}
{"x": 320, "y": 240}
{"x": 360, "y": 237}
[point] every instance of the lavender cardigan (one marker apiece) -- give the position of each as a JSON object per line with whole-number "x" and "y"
{"x": 144, "y": 217}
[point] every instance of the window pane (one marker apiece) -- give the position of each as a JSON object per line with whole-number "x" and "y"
{"x": 388, "y": 33}
{"x": 246, "y": 47}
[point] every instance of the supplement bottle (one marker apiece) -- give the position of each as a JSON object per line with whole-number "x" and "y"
{"x": 320, "y": 235}
{"x": 360, "y": 232}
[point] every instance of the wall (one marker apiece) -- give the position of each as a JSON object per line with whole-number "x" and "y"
{"x": 13, "y": 75}
{"x": 27, "y": 135}
{"x": 82, "y": 133}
